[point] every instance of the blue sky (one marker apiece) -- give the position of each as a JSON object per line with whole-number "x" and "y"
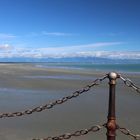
{"x": 65, "y": 28}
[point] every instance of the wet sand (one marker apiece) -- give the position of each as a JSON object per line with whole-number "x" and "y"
{"x": 24, "y": 86}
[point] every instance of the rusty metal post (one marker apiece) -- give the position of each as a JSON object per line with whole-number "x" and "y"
{"x": 111, "y": 123}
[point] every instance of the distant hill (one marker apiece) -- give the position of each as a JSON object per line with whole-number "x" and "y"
{"x": 73, "y": 59}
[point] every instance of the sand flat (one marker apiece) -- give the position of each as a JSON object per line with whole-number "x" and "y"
{"x": 20, "y": 91}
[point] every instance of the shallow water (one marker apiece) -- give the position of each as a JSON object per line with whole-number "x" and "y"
{"x": 127, "y": 67}
{"x": 64, "y": 77}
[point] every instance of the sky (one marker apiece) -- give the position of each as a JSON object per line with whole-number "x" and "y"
{"x": 66, "y": 28}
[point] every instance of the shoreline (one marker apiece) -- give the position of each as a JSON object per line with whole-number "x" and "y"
{"x": 72, "y": 68}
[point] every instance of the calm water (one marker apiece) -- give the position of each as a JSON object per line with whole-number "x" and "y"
{"x": 98, "y": 67}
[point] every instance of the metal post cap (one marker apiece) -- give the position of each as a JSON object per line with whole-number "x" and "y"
{"x": 112, "y": 75}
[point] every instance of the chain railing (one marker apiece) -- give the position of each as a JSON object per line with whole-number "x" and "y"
{"x": 56, "y": 102}
{"x": 130, "y": 84}
{"x": 111, "y": 124}
{"x": 127, "y": 132}
{"x": 74, "y": 134}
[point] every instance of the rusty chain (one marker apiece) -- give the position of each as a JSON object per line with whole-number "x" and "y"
{"x": 75, "y": 94}
{"x": 129, "y": 83}
{"x": 57, "y": 102}
{"x": 127, "y": 132}
{"x": 75, "y": 134}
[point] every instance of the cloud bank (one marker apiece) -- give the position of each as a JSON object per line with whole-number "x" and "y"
{"x": 5, "y": 47}
{"x": 8, "y": 51}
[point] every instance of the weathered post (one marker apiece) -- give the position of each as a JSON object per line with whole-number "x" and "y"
{"x": 111, "y": 123}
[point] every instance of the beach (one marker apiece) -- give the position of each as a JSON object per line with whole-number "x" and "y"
{"x": 26, "y": 86}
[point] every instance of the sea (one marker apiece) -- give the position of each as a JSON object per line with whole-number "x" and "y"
{"x": 127, "y": 68}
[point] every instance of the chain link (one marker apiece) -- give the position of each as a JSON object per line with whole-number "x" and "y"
{"x": 57, "y": 102}
{"x": 75, "y": 134}
{"x": 129, "y": 83}
{"x": 127, "y": 132}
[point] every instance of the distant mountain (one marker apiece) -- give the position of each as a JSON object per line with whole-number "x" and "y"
{"x": 95, "y": 60}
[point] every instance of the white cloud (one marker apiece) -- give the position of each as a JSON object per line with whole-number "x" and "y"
{"x": 6, "y": 36}
{"x": 98, "y": 44}
{"x": 45, "y": 33}
{"x": 5, "y": 47}
{"x": 77, "y": 48}
{"x": 56, "y": 33}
